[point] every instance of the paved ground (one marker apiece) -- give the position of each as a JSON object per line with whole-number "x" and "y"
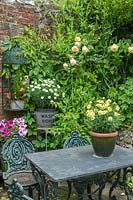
{"x": 63, "y": 191}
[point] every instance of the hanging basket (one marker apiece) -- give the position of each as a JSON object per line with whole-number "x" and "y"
{"x": 45, "y": 117}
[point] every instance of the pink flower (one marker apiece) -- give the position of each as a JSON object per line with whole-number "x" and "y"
{"x": 8, "y": 127}
{"x": 72, "y": 61}
{"x": 8, "y": 95}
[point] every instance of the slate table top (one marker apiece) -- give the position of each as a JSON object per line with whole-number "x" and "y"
{"x": 79, "y": 162}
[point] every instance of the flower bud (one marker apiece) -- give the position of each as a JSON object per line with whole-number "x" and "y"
{"x": 74, "y": 49}
{"x": 72, "y": 61}
{"x": 114, "y": 47}
{"x": 85, "y": 49}
{"x": 65, "y": 65}
{"x": 77, "y": 44}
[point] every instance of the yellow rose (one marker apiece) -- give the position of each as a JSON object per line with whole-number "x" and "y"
{"x": 109, "y": 109}
{"x": 130, "y": 49}
{"x": 88, "y": 106}
{"x": 117, "y": 108}
{"x": 114, "y": 47}
{"x": 110, "y": 119}
{"x": 102, "y": 112}
{"x": 116, "y": 114}
{"x": 75, "y": 49}
{"x": 77, "y": 39}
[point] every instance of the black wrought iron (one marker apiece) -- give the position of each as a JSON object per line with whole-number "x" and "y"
{"x": 16, "y": 191}
{"x": 16, "y": 164}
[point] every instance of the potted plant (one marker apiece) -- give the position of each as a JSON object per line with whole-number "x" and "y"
{"x": 105, "y": 119}
{"x": 44, "y": 95}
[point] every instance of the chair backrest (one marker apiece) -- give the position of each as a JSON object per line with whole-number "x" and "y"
{"x": 13, "y": 154}
{"x": 75, "y": 140}
{"x": 16, "y": 191}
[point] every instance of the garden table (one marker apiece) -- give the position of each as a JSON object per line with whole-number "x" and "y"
{"x": 79, "y": 163}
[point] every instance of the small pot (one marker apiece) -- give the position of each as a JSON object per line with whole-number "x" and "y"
{"x": 103, "y": 143}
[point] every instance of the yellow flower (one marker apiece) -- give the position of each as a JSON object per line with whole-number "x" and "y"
{"x": 110, "y": 119}
{"x": 116, "y": 114}
{"x": 90, "y": 114}
{"x": 75, "y": 49}
{"x": 88, "y": 106}
{"x": 100, "y": 101}
{"x": 117, "y": 108}
{"x": 109, "y": 109}
{"x": 102, "y": 112}
{"x": 114, "y": 47}
{"x": 77, "y": 39}
{"x": 98, "y": 105}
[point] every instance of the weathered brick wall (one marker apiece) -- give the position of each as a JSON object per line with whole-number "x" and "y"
{"x": 13, "y": 17}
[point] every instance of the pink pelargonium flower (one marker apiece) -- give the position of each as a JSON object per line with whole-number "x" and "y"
{"x": 22, "y": 132}
{"x": 5, "y": 133}
{"x": 17, "y": 125}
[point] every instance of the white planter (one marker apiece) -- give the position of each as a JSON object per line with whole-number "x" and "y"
{"x": 17, "y": 105}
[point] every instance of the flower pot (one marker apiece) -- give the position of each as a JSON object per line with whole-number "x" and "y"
{"x": 103, "y": 143}
{"x": 45, "y": 117}
{"x": 17, "y": 105}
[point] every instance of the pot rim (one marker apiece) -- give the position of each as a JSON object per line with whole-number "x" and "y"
{"x": 103, "y": 135}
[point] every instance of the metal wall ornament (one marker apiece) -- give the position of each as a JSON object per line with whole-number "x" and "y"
{"x": 14, "y": 56}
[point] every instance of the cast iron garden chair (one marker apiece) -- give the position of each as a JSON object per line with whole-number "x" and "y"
{"x": 16, "y": 191}
{"x": 16, "y": 164}
{"x": 75, "y": 140}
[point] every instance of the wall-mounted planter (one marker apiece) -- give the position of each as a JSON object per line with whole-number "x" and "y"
{"x": 17, "y": 105}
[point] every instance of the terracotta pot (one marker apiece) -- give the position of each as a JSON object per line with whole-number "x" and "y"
{"x": 103, "y": 143}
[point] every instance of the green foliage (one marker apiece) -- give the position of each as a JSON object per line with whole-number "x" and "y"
{"x": 100, "y": 71}
{"x": 130, "y": 183}
{"x": 125, "y": 99}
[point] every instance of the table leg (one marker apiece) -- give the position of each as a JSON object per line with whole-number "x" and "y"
{"x": 80, "y": 186}
{"x": 125, "y": 172}
{"x": 41, "y": 180}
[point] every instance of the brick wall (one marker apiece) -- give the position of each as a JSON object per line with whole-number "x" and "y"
{"x": 13, "y": 18}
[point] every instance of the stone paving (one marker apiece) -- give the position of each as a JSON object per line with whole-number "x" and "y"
{"x": 63, "y": 191}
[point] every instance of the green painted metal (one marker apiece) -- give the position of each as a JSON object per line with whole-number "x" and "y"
{"x": 16, "y": 191}
{"x": 75, "y": 140}
{"x": 14, "y": 56}
{"x": 16, "y": 164}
